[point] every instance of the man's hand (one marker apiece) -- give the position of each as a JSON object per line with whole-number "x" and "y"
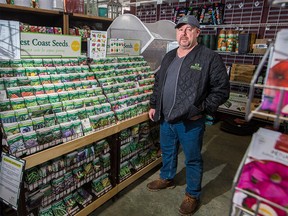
{"x": 151, "y": 114}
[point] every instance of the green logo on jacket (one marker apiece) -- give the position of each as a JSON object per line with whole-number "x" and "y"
{"x": 196, "y": 66}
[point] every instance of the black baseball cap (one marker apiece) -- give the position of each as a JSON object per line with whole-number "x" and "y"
{"x": 189, "y": 19}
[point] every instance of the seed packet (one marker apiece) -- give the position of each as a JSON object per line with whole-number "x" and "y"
{"x": 106, "y": 107}
{"x": 74, "y": 61}
{"x": 90, "y": 111}
{"x": 27, "y": 62}
{"x": 65, "y": 62}
{"x": 82, "y": 60}
{"x": 95, "y": 101}
{"x": 15, "y": 143}
{"x": 78, "y": 69}
{"x": 61, "y": 70}
{"x": 70, "y": 69}
{"x": 69, "y": 86}
{"x": 4, "y": 63}
{"x": 2, "y": 86}
{"x": 6, "y": 72}
{"x": 57, "y": 135}
{"x": 46, "y": 211}
{"x": 59, "y": 87}
{"x": 5, "y": 105}
{"x": 38, "y": 123}
{"x": 53, "y": 98}
{"x": 56, "y": 107}
{"x": 75, "y": 77}
{"x": 51, "y": 71}
{"x": 42, "y": 71}
{"x": 16, "y": 63}
{"x": 10, "y": 82}
{"x": 61, "y": 117}
{"x": 47, "y": 62}
{"x": 46, "y": 109}
{"x": 34, "y": 111}
{"x": 8, "y": 116}
{"x": 30, "y": 139}
{"x": 77, "y": 128}
{"x": 22, "y": 115}
{"x": 102, "y": 99}
{"x": 37, "y": 63}
{"x": 82, "y": 113}
{"x": 57, "y": 62}
{"x": 82, "y": 94}
{"x": 85, "y": 68}
{"x": 70, "y": 202}
{"x": 72, "y": 115}
{"x": 88, "y": 102}
{"x": 67, "y": 131}
{"x": 86, "y": 84}
{"x": 17, "y": 103}
{"x": 26, "y": 126}
{"x": 13, "y": 92}
{"x": 34, "y": 81}
{"x": 56, "y": 79}
{"x": 82, "y": 76}
{"x": 19, "y": 72}
{"x": 44, "y": 136}
{"x": 38, "y": 90}
{"x": 90, "y": 92}
{"x": 49, "y": 120}
{"x": 63, "y": 96}
{"x": 110, "y": 97}
{"x": 86, "y": 126}
{"x": 78, "y": 85}
{"x": 78, "y": 103}
{"x": 27, "y": 91}
{"x": 98, "y": 109}
{"x": 68, "y": 105}
{"x": 31, "y": 71}
{"x": 49, "y": 88}
{"x": 73, "y": 95}
{"x": 42, "y": 99}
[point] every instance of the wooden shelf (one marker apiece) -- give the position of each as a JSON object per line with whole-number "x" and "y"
{"x": 90, "y": 17}
{"x": 56, "y": 151}
{"x": 94, "y": 205}
{"x": 16, "y": 8}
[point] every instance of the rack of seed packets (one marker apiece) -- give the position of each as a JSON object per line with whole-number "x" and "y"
{"x": 45, "y": 102}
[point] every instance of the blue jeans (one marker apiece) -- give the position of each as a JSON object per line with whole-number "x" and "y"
{"x": 190, "y": 135}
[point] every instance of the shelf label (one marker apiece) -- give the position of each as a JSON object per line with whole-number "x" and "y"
{"x": 11, "y": 172}
{"x": 49, "y": 45}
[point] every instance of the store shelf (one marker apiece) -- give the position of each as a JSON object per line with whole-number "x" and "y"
{"x": 89, "y": 17}
{"x": 49, "y": 154}
{"x": 245, "y": 25}
{"x": 16, "y": 8}
{"x": 90, "y": 208}
{"x": 252, "y": 55}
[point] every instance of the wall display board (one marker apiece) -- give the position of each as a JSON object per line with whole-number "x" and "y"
{"x": 9, "y": 40}
{"x": 11, "y": 171}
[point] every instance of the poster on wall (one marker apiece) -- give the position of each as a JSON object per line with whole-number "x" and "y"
{"x": 9, "y": 40}
{"x": 11, "y": 172}
{"x": 49, "y": 45}
{"x": 97, "y": 44}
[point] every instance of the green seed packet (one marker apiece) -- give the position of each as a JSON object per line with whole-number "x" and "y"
{"x": 78, "y": 103}
{"x": 6, "y": 72}
{"x": 75, "y": 77}
{"x": 98, "y": 109}
{"x": 57, "y": 135}
{"x": 102, "y": 99}
{"x": 34, "y": 81}
{"x": 42, "y": 71}
{"x": 30, "y": 139}
{"x": 61, "y": 117}
{"x": 86, "y": 126}
{"x": 34, "y": 111}
{"x": 67, "y": 131}
{"x": 90, "y": 111}
{"x": 27, "y": 62}
{"x": 51, "y": 71}
{"x": 46, "y": 109}
{"x": 84, "y": 68}
{"x": 22, "y": 115}
{"x": 14, "y": 92}
{"x": 15, "y": 143}
{"x": 65, "y": 78}
{"x": 72, "y": 115}
{"x": 4, "y": 63}
{"x": 110, "y": 97}
{"x": 38, "y": 123}
{"x": 88, "y": 102}
{"x": 69, "y": 86}
{"x": 57, "y": 107}
{"x": 61, "y": 70}
{"x": 78, "y": 69}
{"x": 70, "y": 69}
{"x": 11, "y": 128}
{"x": 10, "y": 82}
{"x": 2, "y": 86}
{"x": 39, "y": 90}
{"x": 86, "y": 84}
{"x": 120, "y": 113}
{"x": 42, "y": 99}
{"x": 27, "y": 91}
{"x": 90, "y": 92}
{"x": 57, "y": 62}
{"x": 19, "y": 72}
{"x": 50, "y": 120}
{"x": 59, "y": 87}
{"x": 77, "y": 128}
{"x": 16, "y": 63}
{"x": 53, "y": 98}
{"x": 63, "y": 96}
{"x": 73, "y": 95}
{"x": 106, "y": 107}
{"x": 32, "y": 71}
{"x": 49, "y": 88}
{"x": 95, "y": 121}
{"x": 82, "y": 94}
{"x": 82, "y": 60}
{"x": 38, "y": 63}
{"x": 74, "y": 62}
{"x": 95, "y": 101}
{"x": 8, "y": 116}
{"x": 82, "y": 76}
{"x": 44, "y": 135}
{"x": 56, "y": 79}
{"x": 17, "y": 103}
{"x": 45, "y": 79}
{"x": 65, "y": 62}
{"x": 5, "y": 105}
{"x": 47, "y": 62}
{"x": 82, "y": 113}
{"x": 78, "y": 85}
{"x": 68, "y": 105}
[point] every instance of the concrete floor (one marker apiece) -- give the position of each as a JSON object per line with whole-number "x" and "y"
{"x": 222, "y": 153}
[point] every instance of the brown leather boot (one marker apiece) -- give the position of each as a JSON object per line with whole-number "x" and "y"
{"x": 160, "y": 184}
{"x": 188, "y": 206}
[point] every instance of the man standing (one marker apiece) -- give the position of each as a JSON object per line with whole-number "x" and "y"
{"x": 191, "y": 82}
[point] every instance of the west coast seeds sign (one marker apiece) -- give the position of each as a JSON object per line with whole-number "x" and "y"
{"x": 49, "y": 45}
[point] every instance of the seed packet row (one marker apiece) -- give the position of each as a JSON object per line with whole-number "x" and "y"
{"x": 128, "y": 101}
{"x": 116, "y": 66}
{"x": 101, "y": 185}
{"x": 117, "y": 59}
{"x": 132, "y": 111}
{"x": 26, "y": 91}
{"x": 29, "y": 123}
{"x": 15, "y": 63}
{"x": 50, "y": 103}
{"x": 122, "y": 72}
{"x": 42, "y": 71}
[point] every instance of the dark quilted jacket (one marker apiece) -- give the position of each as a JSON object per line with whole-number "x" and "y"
{"x": 202, "y": 84}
